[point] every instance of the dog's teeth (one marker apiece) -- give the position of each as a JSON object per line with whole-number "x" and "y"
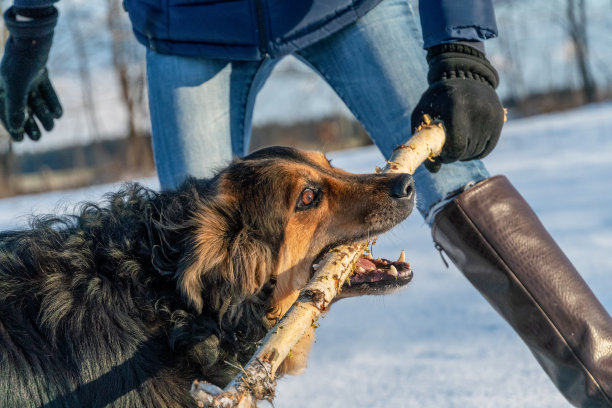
{"x": 360, "y": 269}
{"x": 393, "y": 271}
{"x": 402, "y": 257}
{"x": 316, "y": 267}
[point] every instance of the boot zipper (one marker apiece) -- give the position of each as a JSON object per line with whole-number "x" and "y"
{"x": 261, "y": 28}
{"x": 441, "y": 251}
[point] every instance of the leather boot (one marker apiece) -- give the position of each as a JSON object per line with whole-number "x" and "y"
{"x": 494, "y": 237}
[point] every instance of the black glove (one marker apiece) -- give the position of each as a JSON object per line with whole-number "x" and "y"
{"x": 25, "y": 89}
{"x": 462, "y": 95}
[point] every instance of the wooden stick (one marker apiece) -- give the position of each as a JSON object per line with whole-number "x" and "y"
{"x": 257, "y": 380}
{"x": 425, "y": 144}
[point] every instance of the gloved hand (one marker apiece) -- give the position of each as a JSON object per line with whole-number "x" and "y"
{"x": 25, "y": 89}
{"x": 462, "y": 94}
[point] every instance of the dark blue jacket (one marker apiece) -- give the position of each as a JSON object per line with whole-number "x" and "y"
{"x": 251, "y": 29}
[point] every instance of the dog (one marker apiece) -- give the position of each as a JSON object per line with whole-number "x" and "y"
{"x": 126, "y": 303}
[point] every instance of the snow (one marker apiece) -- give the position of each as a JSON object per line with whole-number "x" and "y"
{"x": 437, "y": 343}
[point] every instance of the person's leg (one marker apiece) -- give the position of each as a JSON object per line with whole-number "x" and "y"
{"x": 377, "y": 66}
{"x": 490, "y": 233}
{"x": 201, "y": 112}
{"x": 497, "y": 241}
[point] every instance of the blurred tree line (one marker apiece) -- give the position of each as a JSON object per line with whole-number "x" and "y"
{"x": 96, "y": 50}
{"x": 551, "y": 54}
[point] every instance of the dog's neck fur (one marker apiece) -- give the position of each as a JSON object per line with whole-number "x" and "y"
{"x": 232, "y": 318}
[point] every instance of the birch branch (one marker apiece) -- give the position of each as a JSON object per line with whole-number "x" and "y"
{"x": 257, "y": 380}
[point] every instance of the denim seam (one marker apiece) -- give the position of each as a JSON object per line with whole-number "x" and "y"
{"x": 243, "y": 106}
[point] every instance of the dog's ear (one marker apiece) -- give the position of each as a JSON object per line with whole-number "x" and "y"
{"x": 225, "y": 260}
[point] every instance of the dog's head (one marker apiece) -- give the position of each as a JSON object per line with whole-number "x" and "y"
{"x": 275, "y": 212}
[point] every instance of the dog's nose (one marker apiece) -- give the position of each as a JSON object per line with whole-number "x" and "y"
{"x": 403, "y": 187}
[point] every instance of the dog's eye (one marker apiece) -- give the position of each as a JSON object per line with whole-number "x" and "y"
{"x": 307, "y": 197}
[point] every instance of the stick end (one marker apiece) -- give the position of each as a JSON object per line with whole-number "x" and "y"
{"x": 204, "y": 393}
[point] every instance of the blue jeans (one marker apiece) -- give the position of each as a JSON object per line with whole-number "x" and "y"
{"x": 201, "y": 109}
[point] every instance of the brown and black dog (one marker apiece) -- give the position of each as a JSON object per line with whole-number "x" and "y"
{"x": 128, "y": 302}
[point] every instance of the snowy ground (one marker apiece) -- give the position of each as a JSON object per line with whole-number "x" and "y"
{"x": 437, "y": 343}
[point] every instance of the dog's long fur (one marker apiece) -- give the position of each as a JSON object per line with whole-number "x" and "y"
{"x": 128, "y": 302}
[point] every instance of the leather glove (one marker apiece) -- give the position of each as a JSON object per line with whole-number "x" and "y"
{"x": 462, "y": 95}
{"x": 25, "y": 89}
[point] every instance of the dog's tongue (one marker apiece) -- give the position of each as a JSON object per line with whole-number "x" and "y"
{"x": 366, "y": 264}
{"x": 376, "y": 277}
{"x": 374, "y": 270}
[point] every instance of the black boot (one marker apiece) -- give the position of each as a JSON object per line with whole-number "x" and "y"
{"x": 497, "y": 241}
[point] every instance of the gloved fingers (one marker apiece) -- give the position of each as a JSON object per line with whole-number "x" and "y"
{"x": 16, "y": 135}
{"x": 50, "y": 97}
{"x": 474, "y": 148}
{"x": 455, "y": 148}
{"x": 15, "y": 112}
{"x": 495, "y": 130}
{"x": 488, "y": 148}
{"x": 40, "y": 109}
{"x": 31, "y": 129}
{"x": 433, "y": 165}
{"x": 3, "y": 107}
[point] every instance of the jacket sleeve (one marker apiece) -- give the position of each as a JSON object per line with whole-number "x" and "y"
{"x": 445, "y": 21}
{"x": 34, "y": 3}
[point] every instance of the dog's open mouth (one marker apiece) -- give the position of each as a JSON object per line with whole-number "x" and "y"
{"x": 376, "y": 277}
{"x": 369, "y": 270}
